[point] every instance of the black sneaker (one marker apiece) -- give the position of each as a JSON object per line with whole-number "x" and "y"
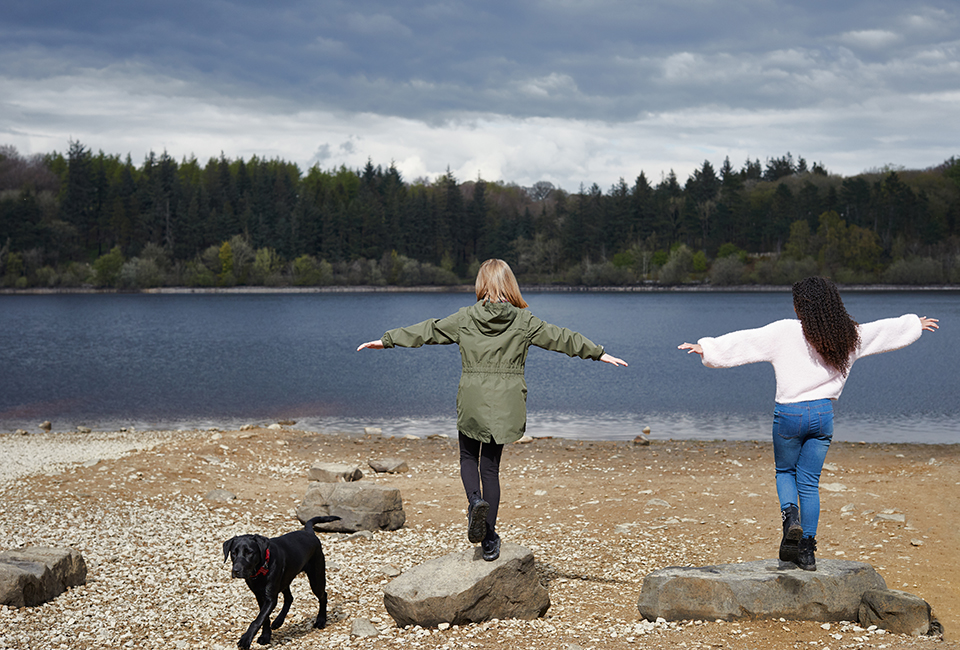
{"x": 477, "y": 520}
{"x": 792, "y": 532}
{"x": 806, "y": 559}
{"x": 491, "y": 549}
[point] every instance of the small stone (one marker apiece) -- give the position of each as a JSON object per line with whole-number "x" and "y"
{"x": 83, "y": 429}
{"x": 45, "y": 425}
{"x": 885, "y": 516}
{"x": 286, "y": 423}
{"x": 389, "y": 570}
{"x": 363, "y": 628}
{"x": 641, "y": 441}
{"x": 525, "y": 440}
{"x": 275, "y": 427}
{"x": 833, "y": 487}
{"x": 373, "y": 431}
{"x": 219, "y": 495}
{"x": 658, "y": 502}
{"x": 22, "y": 432}
{"x": 916, "y": 542}
{"x": 646, "y": 430}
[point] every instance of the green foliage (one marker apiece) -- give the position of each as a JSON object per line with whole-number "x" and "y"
{"x": 225, "y": 256}
{"x": 624, "y": 259}
{"x": 306, "y": 271}
{"x": 727, "y": 271}
{"x": 729, "y": 249}
{"x": 266, "y": 267}
{"x": 916, "y": 270}
{"x": 678, "y": 266}
{"x": 700, "y": 262}
{"x": 227, "y": 222}
{"x": 841, "y": 245}
{"x": 107, "y": 268}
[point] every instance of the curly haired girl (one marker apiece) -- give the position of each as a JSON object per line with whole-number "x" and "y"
{"x": 811, "y": 358}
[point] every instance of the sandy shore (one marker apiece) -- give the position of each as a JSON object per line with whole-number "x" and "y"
{"x": 133, "y": 504}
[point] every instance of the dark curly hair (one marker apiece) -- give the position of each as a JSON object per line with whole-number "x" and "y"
{"x": 826, "y": 323}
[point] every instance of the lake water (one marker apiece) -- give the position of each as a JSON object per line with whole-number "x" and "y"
{"x": 198, "y": 360}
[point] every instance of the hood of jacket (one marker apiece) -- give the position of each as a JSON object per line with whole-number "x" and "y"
{"x": 493, "y": 318}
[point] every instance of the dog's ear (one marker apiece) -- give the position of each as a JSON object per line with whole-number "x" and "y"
{"x": 227, "y": 547}
{"x": 262, "y": 543}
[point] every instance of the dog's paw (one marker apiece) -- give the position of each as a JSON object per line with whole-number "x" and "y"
{"x": 244, "y": 641}
{"x": 264, "y": 638}
{"x": 320, "y": 623}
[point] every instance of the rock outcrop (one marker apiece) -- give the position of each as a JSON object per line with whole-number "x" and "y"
{"x": 756, "y": 590}
{"x": 462, "y": 588}
{"x": 360, "y": 506}
{"x": 33, "y": 575}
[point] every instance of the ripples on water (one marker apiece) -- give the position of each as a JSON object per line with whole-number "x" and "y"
{"x": 169, "y": 361}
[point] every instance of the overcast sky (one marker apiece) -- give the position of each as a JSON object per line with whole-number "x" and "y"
{"x": 568, "y": 91}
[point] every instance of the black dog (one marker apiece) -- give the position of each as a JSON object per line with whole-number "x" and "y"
{"x": 270, "y": 565}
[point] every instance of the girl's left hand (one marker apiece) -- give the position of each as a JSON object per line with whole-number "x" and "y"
{"x": 373, "y": 345}
{"x": 607, "y": 358}
{"x": 691, "y": 347}
{"x": 929, "y": 324}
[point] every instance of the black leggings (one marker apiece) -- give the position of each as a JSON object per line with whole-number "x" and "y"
{"x": 480, "y": 473}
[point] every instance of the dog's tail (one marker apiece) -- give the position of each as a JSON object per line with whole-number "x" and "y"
{"x": 319, "y": 520}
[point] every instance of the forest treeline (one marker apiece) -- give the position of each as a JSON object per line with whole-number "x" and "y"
{"x": 84, "y": 219}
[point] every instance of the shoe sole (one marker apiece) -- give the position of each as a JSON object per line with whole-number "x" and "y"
{"x": 477, "y": 522}
{"x": 790, "y": 545}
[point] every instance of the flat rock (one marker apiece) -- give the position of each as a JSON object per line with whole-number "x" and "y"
{"x": 895, "y": 611}
{"x": 360, "y": 506}
{"x": 462, "y": 588}
{"x": 334, "y": 472}
{"x": 34, "y": 575}
{"x": 758, "y": 590}
{"x": 389, "y": 466}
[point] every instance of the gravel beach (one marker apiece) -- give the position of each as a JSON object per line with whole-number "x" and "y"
{"x": 598, "y": 516}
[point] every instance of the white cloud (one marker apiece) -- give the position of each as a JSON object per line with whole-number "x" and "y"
{"x": 870, "y": 39}
{"x": 377, "y": 25}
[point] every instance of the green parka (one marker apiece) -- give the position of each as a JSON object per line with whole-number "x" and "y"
{"x": 493, "y": 339}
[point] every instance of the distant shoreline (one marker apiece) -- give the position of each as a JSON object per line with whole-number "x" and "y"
{"x": 468, "y": 288}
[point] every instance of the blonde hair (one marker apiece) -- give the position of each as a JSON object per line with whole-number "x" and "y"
{"x": 495, "y": 281}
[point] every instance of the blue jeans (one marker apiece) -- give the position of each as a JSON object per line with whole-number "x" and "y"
{"x": 801, "y": 436}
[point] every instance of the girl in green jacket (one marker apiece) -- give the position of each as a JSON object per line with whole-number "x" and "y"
{"x": 494, "y": 335}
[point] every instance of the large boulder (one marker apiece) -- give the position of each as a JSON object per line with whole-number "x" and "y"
{"x": 360, "y": 506}
{"x": 462, "y": 588}
{"x": 33, "y": 575}
{"x": 895, "y": 611}
{"x": 757, "y": 590}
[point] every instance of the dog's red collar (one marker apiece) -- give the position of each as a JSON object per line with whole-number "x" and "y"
{"x": 262, "y": 571}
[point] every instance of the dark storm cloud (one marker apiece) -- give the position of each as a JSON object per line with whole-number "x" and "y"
{"x": 606, "y": 60}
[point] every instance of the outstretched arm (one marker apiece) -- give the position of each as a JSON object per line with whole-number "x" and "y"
{"x": 929, "y": 324}
{"x": 373, "y": 345}
{"x": 691, "y": 347}
{"x": 607, "y": 358}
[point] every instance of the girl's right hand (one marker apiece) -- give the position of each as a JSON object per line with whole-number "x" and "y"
{"x": 373, "y": 345}
{"x": 691, "y": 347}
